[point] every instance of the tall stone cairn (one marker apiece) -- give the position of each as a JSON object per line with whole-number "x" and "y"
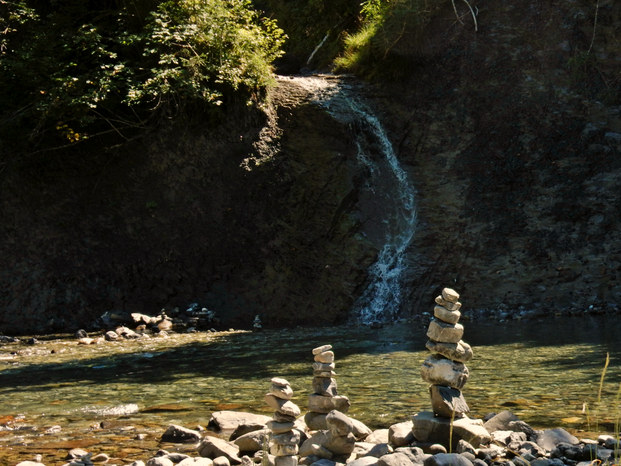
{"x": 324, "y": 397}
{"x": 284, "y": 443}
{"x": 444, "y": 369}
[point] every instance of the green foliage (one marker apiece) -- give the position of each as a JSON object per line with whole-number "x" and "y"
{"x": 72, "y": 70}
{"x": 385, "y": 24}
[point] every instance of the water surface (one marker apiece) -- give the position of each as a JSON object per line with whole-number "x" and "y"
{"x": 103, "y": 396}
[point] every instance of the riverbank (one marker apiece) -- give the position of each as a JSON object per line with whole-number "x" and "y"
{"x": 59, "y": 394}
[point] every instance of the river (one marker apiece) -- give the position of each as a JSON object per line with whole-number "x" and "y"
{"x": 101, "y": 397}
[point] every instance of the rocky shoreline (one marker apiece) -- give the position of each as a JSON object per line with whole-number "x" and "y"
{"x": 326, "y": 436}
{"x": 235, "y": 438}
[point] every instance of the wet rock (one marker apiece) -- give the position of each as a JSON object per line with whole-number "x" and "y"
{"x": 179, "y": 434}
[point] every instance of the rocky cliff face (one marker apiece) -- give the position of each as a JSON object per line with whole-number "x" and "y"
{"x": 511, "y": 134}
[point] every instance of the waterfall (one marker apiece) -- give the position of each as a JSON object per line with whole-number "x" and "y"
{"x": 388, "y": 197}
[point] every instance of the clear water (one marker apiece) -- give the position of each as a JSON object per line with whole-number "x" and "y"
{"x": 542, "y": 371}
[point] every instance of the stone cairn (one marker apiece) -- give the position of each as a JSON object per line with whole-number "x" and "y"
{"x": 445, "y": 369}
{"x": 284, "y": 439}
{"x": 324, "y": 397}
{"x": 447, "y": 374}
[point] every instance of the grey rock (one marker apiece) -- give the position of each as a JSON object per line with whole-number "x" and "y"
{"x": 252, "y": 441}
{"x": 338, "y": 423}
{"x": 214, "y": 447}
{"x": 221, "y": 461}
{"x": 286, "y": 461}
{"x": 228, "y": 421}
{"x": 325, "y": 386}
{"x": 160, "y": 461}
{"x": 438, "y": 370}
{"x": 445, "y": 315}
{"x": 364, "y": 461}
{"x": 548, "y": 439}
{"x": 286, "y": 407}
{"x": 280, "y": 427}
{"x": 460, "y": 351}
{"x": 463, "y": 447}
{"x": 500, "y": 421}
{"x": 380, "y": 449}
{"x": 341, "y": 445}
{"x": 179, "y": 434}
{"x": 316, "y": 421}
{"x": 196, "y": 462}
{"x": 400, "y": 434}
{"x": 429, "y": 428}
{"x": 443, "y": 332}
{"x": 361, "y": 431}
{"x": 447, "y": 459}
{"x": 437, "y": 448}
{"x": 415, "y": 454}
{"x": 325, "y": 404}
{"x": 395, "y": 459}
{"x": 448, "y": 402}
{"x": 378, "y": 436}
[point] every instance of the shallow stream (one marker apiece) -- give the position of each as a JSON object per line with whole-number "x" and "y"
{"x": 56, "y": 395}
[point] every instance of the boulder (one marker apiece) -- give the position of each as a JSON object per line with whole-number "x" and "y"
{"x": 252, "y": 441}
{"x": 548, "y": 439}
{"x": 395, "y": 459}
{"x": 361, "y": 431}
{"x": 447, "y": 459}
{"x": 400, "y": 434}
{"x": 429, "y": 428}
{"x": 228, "y": 421}
{"x": 378, "y": 436}
{"x": 214, "y": 448}
{"x": 179, "y": 434}
{"x": 316, "y": 421}
{"x": 338, "y": 423}
{"x": 500, "y": 421}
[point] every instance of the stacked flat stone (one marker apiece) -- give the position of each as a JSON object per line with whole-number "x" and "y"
{"x": 324, "y": 397}
{"x": 285, "y": 440}
{"x": 444, "y": 369}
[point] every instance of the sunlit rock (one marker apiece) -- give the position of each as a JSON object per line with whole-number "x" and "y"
{"x": 460, "y": 351}
{"x": 443, "y": 314}
{"x": 443, "y": 332}
{"x": 430, "y": 428}
{"x": 441, "y": 371}
{"x": 448, "y": 402}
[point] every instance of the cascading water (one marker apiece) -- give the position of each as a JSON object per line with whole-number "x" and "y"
{"x": 389, "y": 212}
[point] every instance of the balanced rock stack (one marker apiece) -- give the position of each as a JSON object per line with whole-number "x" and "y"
{"x": 445, "y": 369}
{"x": 284, "y": 439}
{"x": 324, "y": 397}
